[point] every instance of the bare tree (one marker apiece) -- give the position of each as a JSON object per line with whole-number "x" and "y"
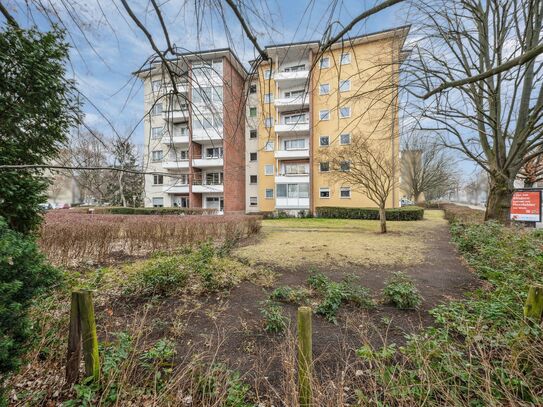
{"x": 493, "y": 116}
{"x": 366, "y": 166}
{"x": 426, "y": 167}
{"x": 532, "y": 171}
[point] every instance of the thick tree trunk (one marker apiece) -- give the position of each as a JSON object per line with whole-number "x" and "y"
{"x": 383, "y": 219}
{"x": 499, "y": 200}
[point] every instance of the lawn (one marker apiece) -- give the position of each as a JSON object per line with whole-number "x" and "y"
{"x": 341, "y": 242}
{"x": 222, "y": 313}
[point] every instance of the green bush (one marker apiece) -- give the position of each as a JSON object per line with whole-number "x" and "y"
{"x": 402, "y": 214}
{"x": 297, "y": 295}
{"x": 24, "y": 274}
{"x": 401, "y": 291}
{"x": 151, "y": 211}
{"x": 272, "y": 312}
{"x": 158, "y": 277}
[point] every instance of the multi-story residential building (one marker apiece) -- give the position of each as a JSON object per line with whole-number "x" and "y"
{"x": 195, "y": 139}
{"x": 309, "y": 101}
{"x": 251, "y": 147}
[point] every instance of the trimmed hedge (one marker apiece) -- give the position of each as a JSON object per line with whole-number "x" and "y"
{"x": 405, "y": 213}
{"x": 150, "y": 211}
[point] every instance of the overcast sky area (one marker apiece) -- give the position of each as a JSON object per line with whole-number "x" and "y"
{"x": 108, "y": 46}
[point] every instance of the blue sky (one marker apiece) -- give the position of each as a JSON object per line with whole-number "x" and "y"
{"x": 109, "y": 46}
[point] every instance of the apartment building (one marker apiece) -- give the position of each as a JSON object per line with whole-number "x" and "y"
{"x": 310, "y": 101}
{"x": 195, "y": 139}
{"x": 251, "y": 147}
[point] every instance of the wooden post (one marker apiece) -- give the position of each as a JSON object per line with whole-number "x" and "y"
{"x": 533, "y": 308}
{"x": 74, "y": 342}
{"x": 305, "y": 356}
{"x": 88, "y": 334}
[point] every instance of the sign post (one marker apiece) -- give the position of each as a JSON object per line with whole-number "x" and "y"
{"x": 526, "y": 205}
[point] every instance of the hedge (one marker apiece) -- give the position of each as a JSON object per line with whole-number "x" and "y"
{"x": 150, "y": 211}
{"x": 405, "y": 213}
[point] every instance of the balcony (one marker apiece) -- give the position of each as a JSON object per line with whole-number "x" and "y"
{"x": 203, "y": 162}
{"x": 292, "y": 203}
{"x": 176, "y": 188}
{"x": 295, "y": 102}
{"x": 292, "y": 154}
{"x": 173, "y": 164}
{"x": 291, "y": 77}
{"x": 283, "y": 178}
{"x": 292, "y": 128}
{"x": 176, "y": 115}
{"x": 210, "y": 134}
{"x": 176, "y": 139}
{"x": 181, "y": 87}
{"x": 199, "y": 187}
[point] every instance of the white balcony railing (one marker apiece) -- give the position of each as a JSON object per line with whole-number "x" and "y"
{"x": 207, "y": 161}
{"x": 289, "y": 154}
{"x": 176, "y": 115}
{"x": 296, "y": 127}
{"x": 176, "y": 138}
{"x": 293, "y": 102}
{"x": 178, "y": 188}
{"x": 291, "y": 76}
{"x": 283, "y": 178}
{"x": 173, "y": 164}
{"x": 206, "y": 186}
{"x": 181, "y": 87}
{"x": 292, "y": 203}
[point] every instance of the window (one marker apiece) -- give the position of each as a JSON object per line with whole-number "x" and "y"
{"x": 295, "y": 68}
{"x": 324, "y": 114}
{"x": 214, "y": 152}
{"x": 252, "y": 134}
{"x": 295, "y": 118}
{"x": 345, "y": 86}
{"x": 324, "y": 193}
{"x": 297, "y": 144}
{"x": 207, "y": 94}
{"x": 158, "y": 179}
{"x": 183, "y": 179}
{"x": 345, "y": 58}
{"x": 345, "y": 192}
{"x": 268, "y": 169}
{"x": 158, "y": 202}
{"x": 267, "y": 74}
{"x": 253, "y": 201}
{"x": 252, "y": 112}
{"x": 253, "y": 179}
{"x": 214, "y": 178}
{"x": 325, "y": 166}
{"x": 345, "y": 166}
{"x": 324, "y": 141}
{"x": 156, "y": 133}
{"x": 295, "y": 169}
{"x": 344, "y": 112}
{"x": 155, "y": 85}
{"x": 157, "y": 109}
{"x": 324, "y": 89}
{"x": 268, "y": 97}
{"x": 325, "y": 62}
{"x": 252, "y": 89}
{"x": 179, "y": 131}
{"x": 268, "y": 146}
{"x": 268, "y": 123}
{"x": 293, "y": 190}
{"x": 345, "y": 139}
{"x": 269, "y": 193}
{"x": 295, "y": 93}
{"x": 252, "y": 156}
{"x": 157, "y": 155}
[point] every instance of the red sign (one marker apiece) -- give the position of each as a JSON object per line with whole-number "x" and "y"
{"x": 526, "y": 206}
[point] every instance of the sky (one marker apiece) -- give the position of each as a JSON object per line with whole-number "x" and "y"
{"x": 107, "y": 46}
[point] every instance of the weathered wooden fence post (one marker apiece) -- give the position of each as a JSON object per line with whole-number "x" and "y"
{"x": 533, "y": 308}
{"x": 82, "y": 331}
{"x": 305, "y": 356}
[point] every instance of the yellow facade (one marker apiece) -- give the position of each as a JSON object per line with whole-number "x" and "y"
{"x": 370, "y": 94}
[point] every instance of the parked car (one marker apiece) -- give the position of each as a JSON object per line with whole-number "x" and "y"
{"x": 406, "y": 202}
{"x": 44, "y": 207}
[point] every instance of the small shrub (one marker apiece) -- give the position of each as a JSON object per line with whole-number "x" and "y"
{"x": 370, "y": 354}
{"x": 160, "y": 276}
{"x": 161, "y": 352}
{"x": 401, "y": 291}
{"x": 406, "y": 213}
{"x": 276, "y": 322}
{"x": 298, "y": 295}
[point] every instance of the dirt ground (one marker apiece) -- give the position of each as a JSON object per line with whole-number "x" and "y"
{"x": 230, "y": 325}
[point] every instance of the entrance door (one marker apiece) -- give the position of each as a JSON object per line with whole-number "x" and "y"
{"x": 180, "y": 201}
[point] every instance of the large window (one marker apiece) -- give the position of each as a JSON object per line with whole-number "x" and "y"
{"x": 156, "y": 133}
{"x": 296, "y": 144}
{"x": 158, "y": 202}
{"x": 295, "y": 118}
{"x": 214, "y": 178}
{"x": 157, "y": 155}
{"x": 295, "y": 93}
{"x": 158, "y": 179}
{"x": 207, "y": 122}
{"x": 295, "y": 68}
{"x": 296, "y": 168}
{"x": 156, "y": 109}
{"x": 207, "y": 94}
{"x": 293, "y": 190}
{"x": 214, "y": 152}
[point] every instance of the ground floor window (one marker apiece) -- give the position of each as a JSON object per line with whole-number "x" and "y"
{"x": 253, "y": 201}
{"x": 324, "y": 192}
{"x": 345, "y": 192}
{"x": 215, "y": 202}
{"x": 158, "y": 202}
{"x": 180, "y": 201}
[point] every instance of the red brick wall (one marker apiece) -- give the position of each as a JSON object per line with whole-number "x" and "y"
{"x": 234, "y": 139}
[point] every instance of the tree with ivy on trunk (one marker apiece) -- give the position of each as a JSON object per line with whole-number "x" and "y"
{"x": 477, "y": 79}
{"x": 366, "y": 165}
